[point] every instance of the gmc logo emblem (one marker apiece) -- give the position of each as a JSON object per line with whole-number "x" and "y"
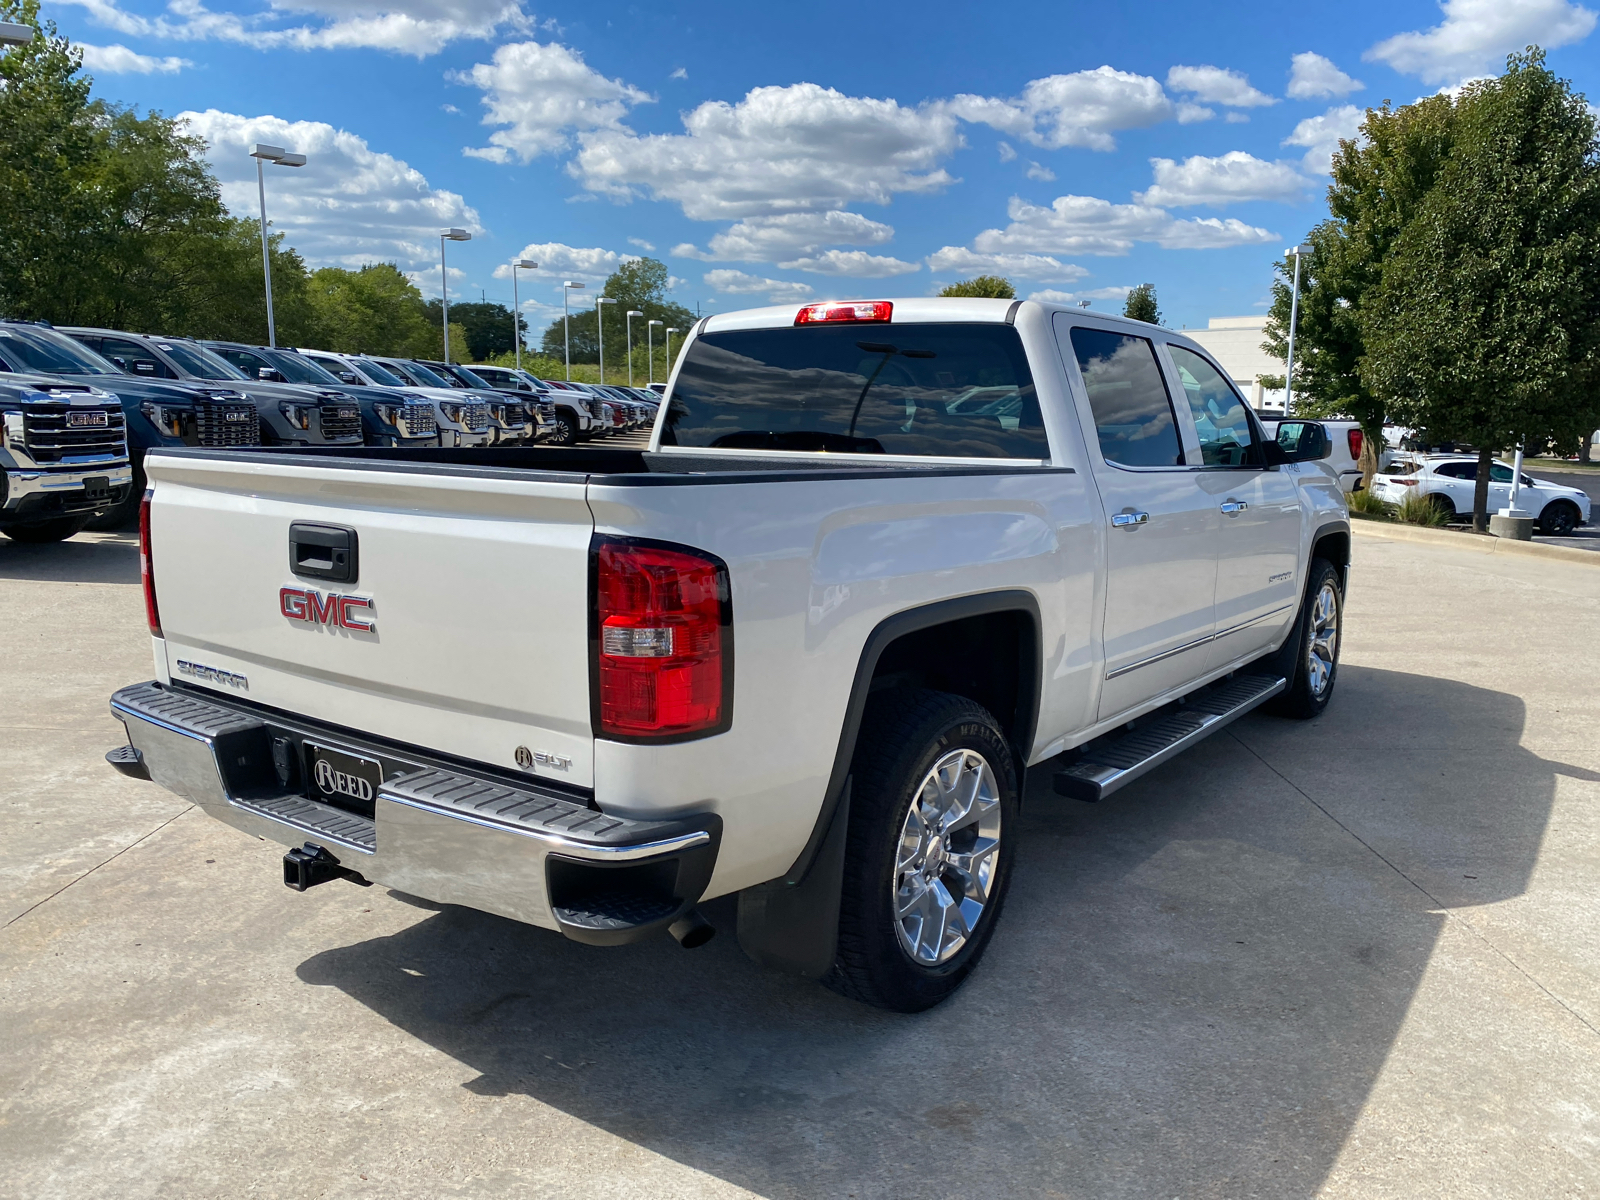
{"x": 311, "y": 606}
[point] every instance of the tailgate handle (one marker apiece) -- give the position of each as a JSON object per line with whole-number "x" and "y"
{"x": 323, "y": 552}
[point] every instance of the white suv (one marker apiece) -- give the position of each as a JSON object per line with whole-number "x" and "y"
{"x": 1450, "y": 480}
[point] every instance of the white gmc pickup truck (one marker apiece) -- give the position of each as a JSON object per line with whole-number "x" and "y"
{"x": 879, "y": 558}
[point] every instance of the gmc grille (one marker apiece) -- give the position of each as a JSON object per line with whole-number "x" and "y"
{"x": 227, "y": 424}
{"x": 341, "y": 421}
{"x": 416, "y": 420}
{"x": 51, "y": 438}
{"x": 475, "y": 417}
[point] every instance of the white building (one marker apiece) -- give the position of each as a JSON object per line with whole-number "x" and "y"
{"x": 1235, "y": 342}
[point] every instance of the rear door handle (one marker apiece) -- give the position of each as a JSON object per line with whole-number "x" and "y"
{"x": 1233, "y": 508}
{"x": 1129, "y": 517}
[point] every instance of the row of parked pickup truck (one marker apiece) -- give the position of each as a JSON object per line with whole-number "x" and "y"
{"x": 182, "y": 392}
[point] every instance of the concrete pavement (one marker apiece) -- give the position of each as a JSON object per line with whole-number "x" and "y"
{"x": 1354, "y": 957}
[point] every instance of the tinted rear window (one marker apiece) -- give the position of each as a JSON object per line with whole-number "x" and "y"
{"x": 940, "y": 389}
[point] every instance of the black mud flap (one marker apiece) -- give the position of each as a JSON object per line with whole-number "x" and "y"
{"x": 794, "y": 928}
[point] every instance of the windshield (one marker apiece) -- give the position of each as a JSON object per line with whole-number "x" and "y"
{"x": 380, "y": 375}
{"x": 471, "y": 379}
{"x": 51, "y": 353}
{"x": 200, "y": 362}
{"x": 953, "y": 390}
{"x": 419, "y": 375}
{"x": 296, "y": 368}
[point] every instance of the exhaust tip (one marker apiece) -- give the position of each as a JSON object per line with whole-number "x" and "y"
{"x": 692, "y": 930}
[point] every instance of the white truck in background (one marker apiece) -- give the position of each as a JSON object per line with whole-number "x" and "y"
{"x": 879, "y": 559}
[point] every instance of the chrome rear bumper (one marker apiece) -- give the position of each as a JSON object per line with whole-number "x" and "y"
{"x": 525, "y": 851}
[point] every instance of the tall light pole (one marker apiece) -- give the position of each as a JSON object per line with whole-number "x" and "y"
{"x": 670, "y": 332}
{"x": 264, "y": 153}
{"x": 448, "y": 235}
{"x": 527, "y": 264}
{"x": 600, "y": 326}
{"x": 632, "y": 313}
{"x": 1294, "y": 319}
{"x": 566, "y": 323}
{"x": 650, "y": 353}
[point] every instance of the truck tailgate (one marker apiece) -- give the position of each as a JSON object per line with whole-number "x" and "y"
{"x": 476, "y": 586}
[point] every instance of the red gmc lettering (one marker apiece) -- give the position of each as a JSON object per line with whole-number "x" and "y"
{"x": 313, "y": 607}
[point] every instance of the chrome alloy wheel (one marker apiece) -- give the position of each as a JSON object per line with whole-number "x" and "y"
{"x": 1322, "y": 647}
{"x": 945, "y": 865}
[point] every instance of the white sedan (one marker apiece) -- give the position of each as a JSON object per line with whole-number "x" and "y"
{"x": 1451, "y": 478}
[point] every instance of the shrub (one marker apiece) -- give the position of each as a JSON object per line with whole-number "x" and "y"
{"x": 1419, "y": 510}
{"x": 1367, "y": 501}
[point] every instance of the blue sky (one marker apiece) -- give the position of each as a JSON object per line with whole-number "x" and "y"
{"x": 782, "y": 152}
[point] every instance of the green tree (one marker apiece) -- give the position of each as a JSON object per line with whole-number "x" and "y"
{"x": 993, "y": 286}
{"x": 1141, "y": 304}
{"x": 487, "y": 325}
{"x": 1486, "y": 325}
{"x": 374, "y": 310}
{"x": 1379, "y": 183}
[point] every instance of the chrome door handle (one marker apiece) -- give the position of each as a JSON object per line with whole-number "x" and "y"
{"x": 1233, "y": 508}
{"x": 1128, "y": 517}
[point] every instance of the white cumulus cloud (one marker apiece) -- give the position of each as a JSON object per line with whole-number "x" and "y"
{"x": 1052, "y": 296}
{"x": 767, "y": 239}
{"x": 959, "y": 260}
{"x": 740, "y": 283}
{"x": 1082, "y": 109}
{"x": 541, "y": 92}
{"x": 1312, "y": 77}
{"x": 1321, "y": 135}
{"x": 1229, "y": 178}
{"x": 558, "y": 261}
{"x": 119, "y": 60}
{"x": 780, "y": 149}
{"x": 1089, "y": 225}
{"x": 1217, "y": 85}
{"x": 855, "y": 264}
{"x": 348, "y": 206}
{"x": 415, "y": 27}
{"x": 1476, "y": 35}
{"x": 1193, "y": 114}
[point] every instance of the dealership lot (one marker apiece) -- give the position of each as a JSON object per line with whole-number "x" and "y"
{"x": 1352, "y": 959}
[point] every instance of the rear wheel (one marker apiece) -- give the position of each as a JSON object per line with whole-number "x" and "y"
{"x": 1559, "y": 518}
{"x": 564, "y": 432}
{"x": 1443, "y": 505}
{"x": 58, "y": 530}
{"x": 933, "y": 829}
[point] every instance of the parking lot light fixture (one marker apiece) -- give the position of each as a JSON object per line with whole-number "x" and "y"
{"x": 1297, "y": 253}
{"x": 632, "y": 313}
{"x": 567, "y": 288}
{"x": 600, "y": 326}
{"x": 650, "y": 352}
{"x": 15, "y": 35}
{"x": 527, "y": 264}
{"x": 447, "y": 235}
{"x": 264, "y": 153}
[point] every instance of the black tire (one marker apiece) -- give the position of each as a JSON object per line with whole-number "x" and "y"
{"x": 1559, "y": 518}
{"x": 565, "y": 432}
{"x": 124, "y": 514}
{"x": 903, "y": 735}
{"x": 1308, "y": 693}
{"x": 1443, "y": 504}
{"x": 58, "y": 530}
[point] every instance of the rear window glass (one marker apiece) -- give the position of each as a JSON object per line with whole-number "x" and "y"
{"x": 953, "y": 390}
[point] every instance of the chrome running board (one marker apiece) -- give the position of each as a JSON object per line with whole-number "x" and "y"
{"x": 1105, "y": 769}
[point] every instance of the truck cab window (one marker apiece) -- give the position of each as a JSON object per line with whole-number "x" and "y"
{"x": 1132, "y": 412}
{"x": 1226, "y": 439}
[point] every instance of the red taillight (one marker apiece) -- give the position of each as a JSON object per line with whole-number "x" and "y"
{"x": 1356, "y": 442}
{"x": 663, "y": 648}
{"x": 147, "y": 574}
{"x": 849, "y": 310}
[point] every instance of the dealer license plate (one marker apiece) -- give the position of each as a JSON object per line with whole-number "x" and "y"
{"x": 343, "y": 780}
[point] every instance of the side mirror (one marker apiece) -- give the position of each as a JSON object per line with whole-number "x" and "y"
{"x": 1300, "y": 441}
{"x": 120, "y": 364}
{"x": 349, "y": 377}
{"x": 270, "y": 375}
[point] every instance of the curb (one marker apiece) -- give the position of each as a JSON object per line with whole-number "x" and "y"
{"x": 1478, "y": 543}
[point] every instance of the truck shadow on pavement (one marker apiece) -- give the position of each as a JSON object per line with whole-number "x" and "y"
{"x": 1195, "y": 987}
{"x": 87, "y": 558}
